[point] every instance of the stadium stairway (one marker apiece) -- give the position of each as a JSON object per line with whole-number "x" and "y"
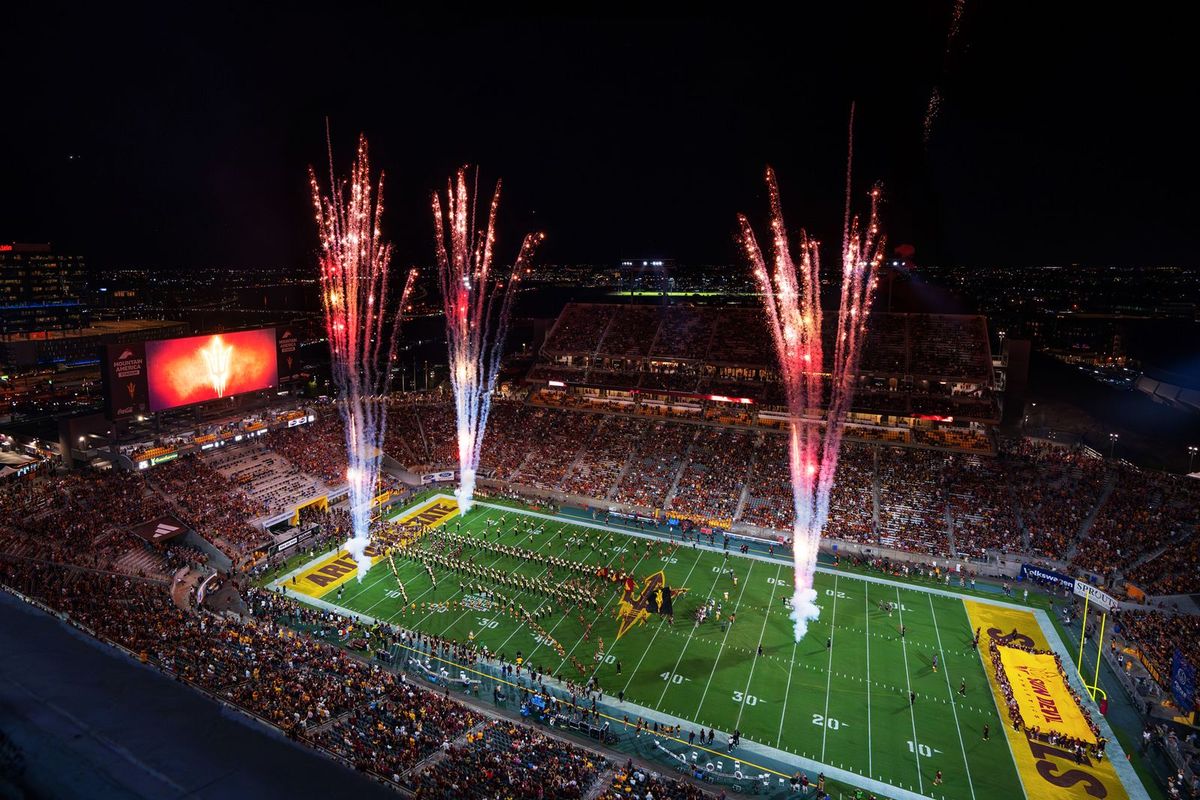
{"x": 1110, "y": 483}
{"x": 745, "y": 493}
{"x": 683, "y": 463}
{"x": 948, "y": 518}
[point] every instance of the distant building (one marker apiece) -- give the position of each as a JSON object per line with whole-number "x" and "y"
{"x": 81, "y": 347}
{"x": 40, "y": 291}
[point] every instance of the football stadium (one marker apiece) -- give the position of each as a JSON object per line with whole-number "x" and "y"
{"x": 616, "y": 603}
{"x": 814, "y": 415}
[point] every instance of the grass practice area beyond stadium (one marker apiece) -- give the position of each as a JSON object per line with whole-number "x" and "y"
{"x": 855, "y": 699}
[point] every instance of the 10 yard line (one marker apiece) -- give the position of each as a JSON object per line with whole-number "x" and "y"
{"x": 829, "y": 669}
{"x": 867, "y": 610}
{"x": 912, "y": 712}
{"x": 953, "y": 705}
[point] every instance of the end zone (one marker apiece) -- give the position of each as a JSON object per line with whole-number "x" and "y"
{"x": 325, "y": 574}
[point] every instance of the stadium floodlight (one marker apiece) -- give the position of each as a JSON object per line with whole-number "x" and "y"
{"x": 1192, "y": 450}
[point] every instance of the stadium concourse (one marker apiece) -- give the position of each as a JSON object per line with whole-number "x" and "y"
{"x": 659, "y": 421}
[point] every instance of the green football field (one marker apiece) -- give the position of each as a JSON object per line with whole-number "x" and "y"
{"x": 840, "y": 697}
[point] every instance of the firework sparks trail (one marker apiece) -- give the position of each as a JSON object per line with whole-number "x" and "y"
{"x": 477, "y": 306}
{"x": 933, "y": 109}
{"x": 362, "y": 335}
{"x": 791, "y": 297}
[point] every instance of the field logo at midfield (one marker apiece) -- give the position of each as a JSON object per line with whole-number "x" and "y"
{"x": 656, "y": 597}
{"x": 1047, "y": 772}
{"x": 337, "y": 568}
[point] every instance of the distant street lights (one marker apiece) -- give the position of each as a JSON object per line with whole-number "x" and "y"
{"x": 1112, "y": 446}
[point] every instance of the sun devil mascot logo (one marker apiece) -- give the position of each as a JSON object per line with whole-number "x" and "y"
{"x": 655, "y": 597}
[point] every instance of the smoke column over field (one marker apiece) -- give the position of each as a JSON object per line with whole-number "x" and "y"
{"x": 791, "y": 298}
{"x": 477, "y": 306}
{"x": 362, "y": 334}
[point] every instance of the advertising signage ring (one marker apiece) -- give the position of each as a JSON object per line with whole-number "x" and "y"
{"x": 197, "y": 369}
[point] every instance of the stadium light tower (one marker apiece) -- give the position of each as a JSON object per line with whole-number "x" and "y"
{"x": 1112, "y": 443}
{"x": 1192, "y": 450}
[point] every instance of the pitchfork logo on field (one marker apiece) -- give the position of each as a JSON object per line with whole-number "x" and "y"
{"x": 656, "y": 597}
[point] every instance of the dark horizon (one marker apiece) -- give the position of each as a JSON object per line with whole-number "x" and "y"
{"x": 184, "y": 142}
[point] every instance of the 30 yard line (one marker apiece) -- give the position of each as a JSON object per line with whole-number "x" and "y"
{"x": 953, "y": 705}
{"x": 754, "y": 663}
{"x": 829, "y": 668}
{"x": 911, "y": 711}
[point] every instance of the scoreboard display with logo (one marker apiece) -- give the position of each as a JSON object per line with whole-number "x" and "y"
{"x": 162, "y": 374}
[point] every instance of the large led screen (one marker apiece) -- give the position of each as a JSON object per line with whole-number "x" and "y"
{"x": 203, "y": 368}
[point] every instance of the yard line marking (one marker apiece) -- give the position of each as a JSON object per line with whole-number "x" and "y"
{"x": 561, "y": 616}
{"x": 518, "y": 594}
{"x": 912, "y": 711}
{"x": 692, "y": 633}
{"x": 728, "y": 629}
{"x": 953, "y": 708}
{"x": 829, "y": 668}
{"x": 383, "y": 577}
{"x": 579, "y": 641}
{"x": 494, "y": 563}
{"x": 754, "y": 663}
{"x": 791, "y": 668}
{"x": 657, "y": 630}
{"x": 867, "y": 610}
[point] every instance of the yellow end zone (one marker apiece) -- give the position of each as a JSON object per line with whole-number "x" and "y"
{"x": 1046, "y": 771}
{"x": 336, "y": 568}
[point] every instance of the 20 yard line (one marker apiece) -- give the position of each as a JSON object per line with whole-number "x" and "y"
{"x": 766, "y": 616}
{"x": 953, "y": 705}
{"x": 912, "y": 711}
{"x": 829, "y": 669}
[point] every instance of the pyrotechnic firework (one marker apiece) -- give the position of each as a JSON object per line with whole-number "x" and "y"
{"x": 791, "y": 297}
{"x": 933, "y": 109}
{"x": 362, "y": 334}
{"x": 477, "y": 306}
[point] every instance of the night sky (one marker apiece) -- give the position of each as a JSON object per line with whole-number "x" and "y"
{"x": 164, "y": 139}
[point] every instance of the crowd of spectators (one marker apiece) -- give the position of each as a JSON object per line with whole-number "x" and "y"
{"x": 1156, "y": 635}
{"x": 214, "y": 506}
{"x": 318, "y": 448}
{"x": 980, "y": 503}
{"x": 717, "y": 469}
{"x": 651, "y": 470}
{"x": 1144, "y": 512}
{"x": 1055, "y": 488}
{"x": 509, "y": 760}
{"x": 912, "y": 500}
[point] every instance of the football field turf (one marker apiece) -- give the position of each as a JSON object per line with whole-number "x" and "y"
{"x": 839, "y": 698}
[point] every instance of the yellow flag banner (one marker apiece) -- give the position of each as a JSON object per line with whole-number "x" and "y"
{"x": 1042, "y": 695}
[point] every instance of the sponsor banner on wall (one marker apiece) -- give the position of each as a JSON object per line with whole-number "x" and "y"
{"x": 1096, "y": 596}
{"x": 1047, "y": 576}
{"x": 438, "y": 477}
{"x": 124, "y": 377}
{"x": 287, "y": 354}
{"x": 1183, "y": 682}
